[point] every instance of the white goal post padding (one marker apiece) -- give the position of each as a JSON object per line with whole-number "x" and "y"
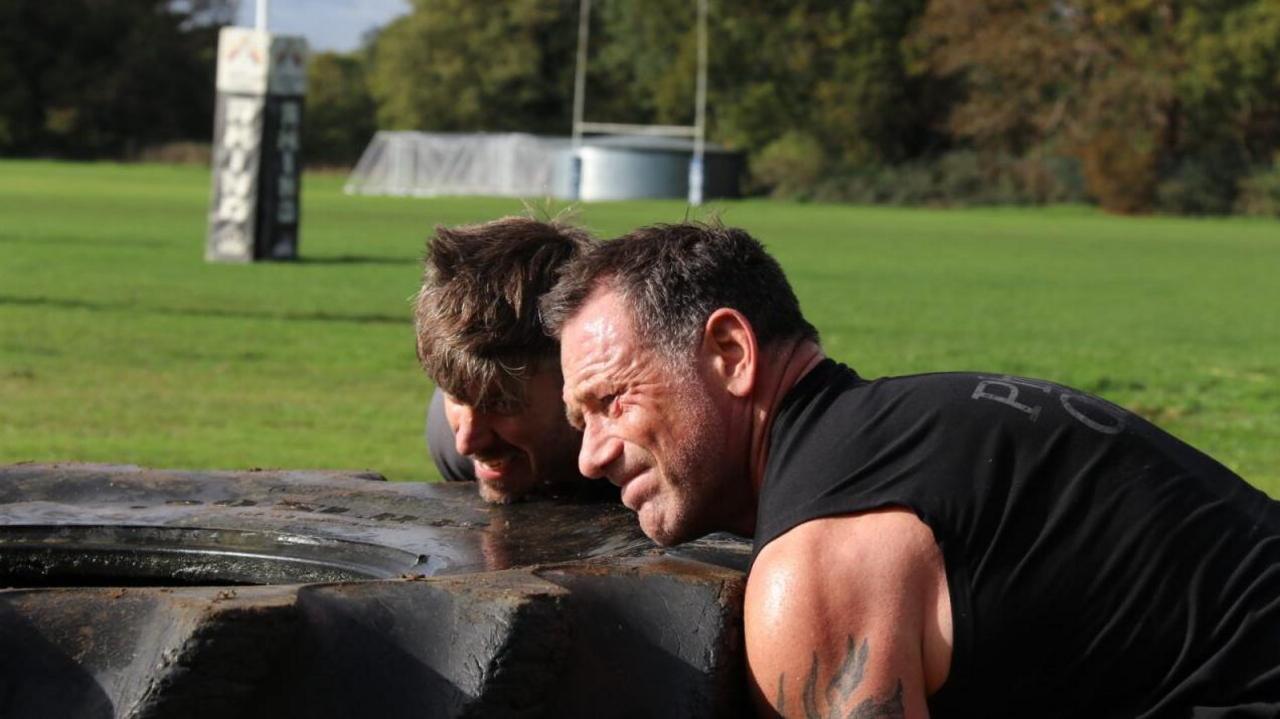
{"x": 428, "y": 164}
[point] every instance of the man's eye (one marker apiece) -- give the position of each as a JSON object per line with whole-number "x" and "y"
{"x": 504, "y": 408}
{"x": 608, "y": 401}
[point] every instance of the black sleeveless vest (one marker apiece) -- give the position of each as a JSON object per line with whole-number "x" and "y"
{"x": 1097, "y": 565}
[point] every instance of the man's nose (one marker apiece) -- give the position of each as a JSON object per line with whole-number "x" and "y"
{"x": 599, "y": 450}
{"x": 474, "y": 433}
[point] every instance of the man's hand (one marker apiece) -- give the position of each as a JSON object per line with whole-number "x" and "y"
{"x": 849, "y": 616}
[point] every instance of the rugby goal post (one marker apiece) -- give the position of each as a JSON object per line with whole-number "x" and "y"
{"x": 696, "y": 131}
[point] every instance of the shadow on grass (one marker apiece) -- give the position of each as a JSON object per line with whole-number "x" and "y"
{"x": 65, "y": 240}
{"x": 358, "y": 260}
{"x": 318, "y": 316}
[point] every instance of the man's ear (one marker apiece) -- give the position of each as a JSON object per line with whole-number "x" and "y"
{"x": 730, "y": 343}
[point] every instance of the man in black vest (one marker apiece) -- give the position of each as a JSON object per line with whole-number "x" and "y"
{"x": 496, "y": 416}
{"x": 970, "y": 545}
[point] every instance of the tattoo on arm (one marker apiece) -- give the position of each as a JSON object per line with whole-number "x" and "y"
{"x": 890, "y": 708}
{"x": 846, "y": 680}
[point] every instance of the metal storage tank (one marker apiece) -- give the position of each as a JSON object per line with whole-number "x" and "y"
{"x": 631, "y": 167}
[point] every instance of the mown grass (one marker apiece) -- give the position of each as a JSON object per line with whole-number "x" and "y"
{"x": 118, "y": 343}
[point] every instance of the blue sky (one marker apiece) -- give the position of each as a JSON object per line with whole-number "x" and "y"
{"x": 327, "y": 24}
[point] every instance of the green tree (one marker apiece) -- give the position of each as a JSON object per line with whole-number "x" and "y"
{"x": 827, "y": 73}
{"x": 88, "y": 78}
{"x": 1143, "y": 91}
{"x": 867, "y": 107}
{"x": 644, "y": 59}
{"x": 785, "y": 77}
{"x": 340, "y": 111}
{"x": 455, "y": 65}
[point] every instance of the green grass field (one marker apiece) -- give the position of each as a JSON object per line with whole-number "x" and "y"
{"x": 119, "y": 344}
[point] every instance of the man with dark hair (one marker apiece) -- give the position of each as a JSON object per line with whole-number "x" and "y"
{"x": 496, "y": 416}
{"x": 972, "y": 545}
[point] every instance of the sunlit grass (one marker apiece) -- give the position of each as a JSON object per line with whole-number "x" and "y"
{"x": 118, "y": 343}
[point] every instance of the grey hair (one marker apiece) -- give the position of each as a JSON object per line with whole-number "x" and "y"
{"x": 672, "y": 277}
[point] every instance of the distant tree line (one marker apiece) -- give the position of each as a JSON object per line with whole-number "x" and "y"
{"x": 1138, "y": 105}
{"x": 94, "y": 78}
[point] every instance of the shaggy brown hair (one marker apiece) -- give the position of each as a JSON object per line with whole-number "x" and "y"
{"x": 479, "y": 335}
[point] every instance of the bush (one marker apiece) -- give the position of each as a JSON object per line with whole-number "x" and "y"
{"x": 1119, "y": 173}
{"x": 1260, "y": 193}
{"x": 339, "y": 117}
{"x": 1202, "y": 184}
{"x": 959, "y": 178}
{"x": 1049, "y": 178}
{"x": 177, "y": 153}
{"x": 790, "y": 166}
{"x": 905, "y": 184}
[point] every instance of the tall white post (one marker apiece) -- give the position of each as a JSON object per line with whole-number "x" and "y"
{"x": 260, "y": 19}
{"x": 580, "y": 72}
{"x": 696, "y": 166}
{"x": 579, "y": 98}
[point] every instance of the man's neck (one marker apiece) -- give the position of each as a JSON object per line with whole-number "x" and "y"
{"x": 781, "y": 370}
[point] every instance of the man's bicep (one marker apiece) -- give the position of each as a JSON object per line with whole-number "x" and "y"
{"x": 832, "y": 632}
{"x": 847, "y": 684}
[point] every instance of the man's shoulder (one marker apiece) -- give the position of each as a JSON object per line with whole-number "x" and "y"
{"x": 839, "y": 390}
{"x": 834, "y": 424}
{"x": 818, "y": 551}
{"x": 843, "y": 567}
{"x": 936, "y": 387}
{"x": 875, "y": 577}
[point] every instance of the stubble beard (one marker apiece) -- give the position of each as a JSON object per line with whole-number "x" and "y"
{"x": 544, "y": 471}
{"x": 691, "y": 479}
{"x": 493, "y": 493}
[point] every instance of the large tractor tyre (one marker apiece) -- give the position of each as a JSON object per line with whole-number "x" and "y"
{"x": 127, "y": 592}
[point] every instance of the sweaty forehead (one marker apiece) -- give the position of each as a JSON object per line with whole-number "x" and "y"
{"x": 597, "y": 343}
{"x": 588, "y": 347}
